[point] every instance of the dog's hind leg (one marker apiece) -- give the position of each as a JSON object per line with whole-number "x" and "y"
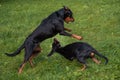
{"x": 92, "y": 55}
{"x": 29, "y": 48}
{"x": 30, "y": 60}
{"x": 35, "y": 53}
{"x": 21, "y": 67}
{"x": 84, "y": 67}
{"x": 81, "y": 59}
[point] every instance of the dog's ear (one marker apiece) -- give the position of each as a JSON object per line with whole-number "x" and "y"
{"x": 55, "y": 40}
{"x": 66, "y": 8}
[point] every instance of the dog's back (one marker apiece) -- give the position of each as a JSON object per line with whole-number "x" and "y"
{"x": 81, "y": 49}
{"x": 69, "y": 51}
{"x": 78, "y": 45}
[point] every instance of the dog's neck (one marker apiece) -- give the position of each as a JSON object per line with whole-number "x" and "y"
{"x": 60, "y": 50}
{"x": 60, "y": 13}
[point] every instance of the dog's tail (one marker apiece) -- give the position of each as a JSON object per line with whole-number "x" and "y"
{"x": 100, "y": 55}
{"x": 16, "y": 52}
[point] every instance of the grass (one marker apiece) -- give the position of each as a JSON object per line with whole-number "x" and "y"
{"x": 98, "y": 21}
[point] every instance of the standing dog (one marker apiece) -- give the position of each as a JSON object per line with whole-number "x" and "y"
{"x": 79, "y": 50}
{"x": 48, "y": 28}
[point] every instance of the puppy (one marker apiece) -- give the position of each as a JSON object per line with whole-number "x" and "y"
{"x": 79, "y": 50}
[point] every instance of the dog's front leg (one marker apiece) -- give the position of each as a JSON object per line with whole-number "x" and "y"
{"x": 76, "y": 36}
{"x": 65, "y": 33}
{"x": 72, "y": 35}
{"x": 69, "y": 30}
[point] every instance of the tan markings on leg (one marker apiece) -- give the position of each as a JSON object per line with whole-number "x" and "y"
{"x": 30, "y": 61}
{"x": 84, "y": 67}
{"x": 35, "y": 53}
{"x": 92, "y": 54}
{"x": 96, "y": 60}
{"x": 21, "y": 68}
{"x": 37, "y": 49}
{"x": 69, "y": 30}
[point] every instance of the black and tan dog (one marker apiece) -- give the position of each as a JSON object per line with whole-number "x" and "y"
{"x": 79, "y": 50}
{"x": 48, "y": 28}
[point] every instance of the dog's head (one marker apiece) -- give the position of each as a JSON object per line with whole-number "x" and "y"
{"x": 68, "y": 15}
{"x": 55, "y": 45}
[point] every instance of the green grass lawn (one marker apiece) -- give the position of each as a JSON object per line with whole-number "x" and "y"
{"x": 98, "y": 21}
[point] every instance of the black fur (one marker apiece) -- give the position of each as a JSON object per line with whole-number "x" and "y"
{"x": 79, "y": 50}
{"x": 48, "y": 28}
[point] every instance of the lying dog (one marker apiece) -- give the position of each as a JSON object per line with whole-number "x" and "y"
{"x": 79, "y": 50}
{"x": 48, "y": 28}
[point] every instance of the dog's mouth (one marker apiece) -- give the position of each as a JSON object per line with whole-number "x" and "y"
{"x": 68, "y": 20}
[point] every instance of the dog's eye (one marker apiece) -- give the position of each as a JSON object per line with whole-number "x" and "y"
{"x": 70, "y": 16}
